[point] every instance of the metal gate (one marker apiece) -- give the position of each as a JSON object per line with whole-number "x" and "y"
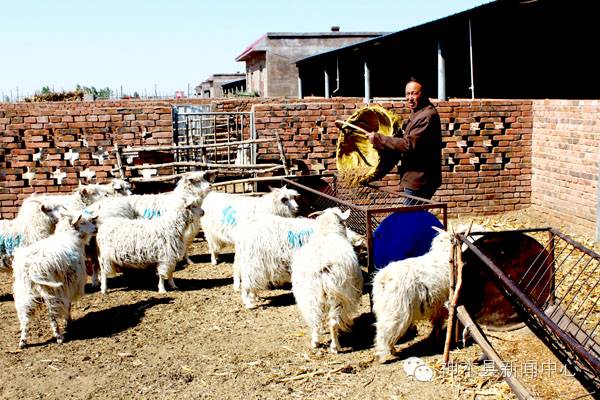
{"x": 218, "y": 134}
{"x": 222, "y": 141}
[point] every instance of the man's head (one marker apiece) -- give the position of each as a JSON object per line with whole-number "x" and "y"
{"x": 415, "y": 95}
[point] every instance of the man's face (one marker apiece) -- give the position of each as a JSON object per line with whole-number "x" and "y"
{"x": 413, "y": 95}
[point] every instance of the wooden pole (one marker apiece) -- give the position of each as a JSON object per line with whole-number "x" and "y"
{"x": 517, "y": 387}
{"x": 119, "y": 162}
{"x": 455, "y": 276}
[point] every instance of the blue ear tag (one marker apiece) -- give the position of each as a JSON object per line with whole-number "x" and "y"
{"x": 229, "y": 216}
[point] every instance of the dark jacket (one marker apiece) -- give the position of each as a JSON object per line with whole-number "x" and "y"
{"x": 421, "y": 149}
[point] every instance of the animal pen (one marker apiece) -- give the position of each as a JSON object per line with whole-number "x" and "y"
{"x": 539, "y": 276}
{"x": 550, "y": 281}
{"x": 201, "y": 140}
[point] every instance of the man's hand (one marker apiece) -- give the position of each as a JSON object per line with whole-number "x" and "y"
{"x": 376, "y": 140}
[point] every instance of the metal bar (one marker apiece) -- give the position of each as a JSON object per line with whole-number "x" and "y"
{"x": 582, "y": 322}
{"x": 258, "y": 179}
{"x": 334, "y": 199}
{"x": 534, "y": 263}
{"x": 201, "y": 164}
{"x": 530, "y": 307}
{"x": 218, "y": 113}
{"x": 569, "y": 289}
{"x": 197, "y": 146}
{"x": 575, "y": 243}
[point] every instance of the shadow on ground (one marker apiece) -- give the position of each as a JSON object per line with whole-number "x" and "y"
{"x": 148, "y": 280}
{"x": 6, "y": 297}
{"x": 205, "y": 259}
{"x": 113, "y": 320}
{"x": 280, "y": 300}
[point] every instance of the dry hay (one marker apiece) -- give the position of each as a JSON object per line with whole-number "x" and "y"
{"x": 351, "y": 178}
{"x": 357, "y": 161}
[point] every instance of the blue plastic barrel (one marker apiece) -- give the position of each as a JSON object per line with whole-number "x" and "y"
{"x": 403, "y": 235}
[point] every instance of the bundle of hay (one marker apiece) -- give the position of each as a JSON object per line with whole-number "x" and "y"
{"x": 358, "y": 162}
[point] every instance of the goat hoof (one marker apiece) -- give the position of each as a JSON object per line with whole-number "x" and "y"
{"x": 250, "y": 306}
{"x": 22, "y": 344}
{"x": 60, "y": 339}
{"x": 334, "y": 350}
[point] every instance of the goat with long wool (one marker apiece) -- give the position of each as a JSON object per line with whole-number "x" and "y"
{"x": 142, "y": 243}
{"x": 326, "y": 278}
{"x": 223, "y": 211}
{"x": 150, "y": 206}
{"x": 52, "y": 271}
{"x": 264, "y": 246}
{"x": 33, "y": 222}
{"x": 410, "y": 290}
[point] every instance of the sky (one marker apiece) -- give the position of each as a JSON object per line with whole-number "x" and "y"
{"x": 161, "y": 46}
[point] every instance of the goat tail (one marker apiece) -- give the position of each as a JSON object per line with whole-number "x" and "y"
{"x": 340, "y": 299}
{"x": 43, "y": 282}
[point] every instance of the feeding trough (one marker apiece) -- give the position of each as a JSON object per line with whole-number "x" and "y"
{"x": 553, "y": 285}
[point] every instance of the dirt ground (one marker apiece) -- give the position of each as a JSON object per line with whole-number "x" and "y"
{"x": 200, "y": 342}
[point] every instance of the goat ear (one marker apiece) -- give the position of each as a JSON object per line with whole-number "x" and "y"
{"x": 75, "y": 220}
{"x": 271, "y": 188}
{"x": 210, "y": 175}
{"x": 345, "y": 215}
{"x": 439, "y": 230}
{"x": 315, "y": 214}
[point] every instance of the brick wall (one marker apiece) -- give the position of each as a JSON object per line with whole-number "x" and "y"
{"x": 50, "y": 147}
{"x": 565, "y": 156}
{"x": 498, "y": 155}
{"x": 486, "y": 155}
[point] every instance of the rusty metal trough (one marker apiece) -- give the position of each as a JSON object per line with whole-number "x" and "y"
{"x": 554, "y": 288}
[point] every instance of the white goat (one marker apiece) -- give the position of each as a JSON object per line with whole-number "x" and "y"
{"x": 150, "y": 206}
{"x": 142, "y": 243}
{"x": 223, "y": 211}
{"x": 80, "y": 198}
{"x": 34, "y": 221}
{"x": 52, "y": 271}
{"x": 116, "y": 187}
{"x": 411, "y": 290}
{"x": 264, "y": 245}
{"x": 326, "y": 278}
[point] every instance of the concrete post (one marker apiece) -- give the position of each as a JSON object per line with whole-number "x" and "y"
{"x": 471, "y": 61}
{"x": 441, "y": 74}
{"x": 326, "y": 84}
{"x": 367, "y": 83}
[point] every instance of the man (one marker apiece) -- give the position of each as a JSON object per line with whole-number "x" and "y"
{"x": 419, "y": 146}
